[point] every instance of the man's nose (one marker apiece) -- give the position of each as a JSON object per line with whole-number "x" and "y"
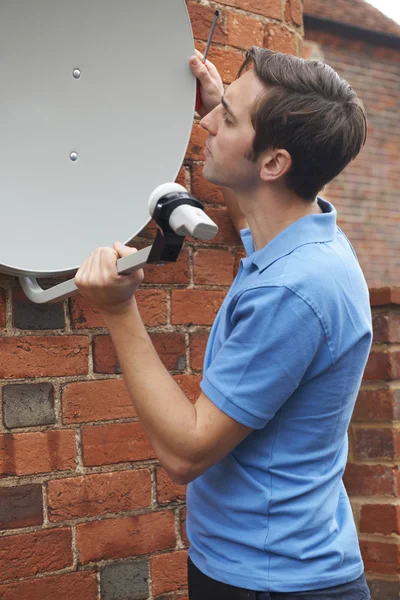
{"x": 209, "y": 123}
{"x": 204, "y": 123}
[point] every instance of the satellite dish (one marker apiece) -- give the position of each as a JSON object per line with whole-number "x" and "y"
{"x": 96, "y": 112}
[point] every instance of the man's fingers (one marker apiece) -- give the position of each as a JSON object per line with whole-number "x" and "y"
{"x": 122, "y": 250}
{"x": 209, "y": 65}
{"x": 104, "y": 263}
{"x": 94, "y": 267}
{"x": 199, "y": 54}
{"x": 83, "y": 272}
{"x": 199, "y": 70}
{"x": 207, "y": 73}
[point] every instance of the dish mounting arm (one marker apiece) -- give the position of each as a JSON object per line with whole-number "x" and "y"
{"x": 165, "y": 248}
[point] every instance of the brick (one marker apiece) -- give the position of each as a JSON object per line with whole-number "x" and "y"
{"x": 395, "y": 365}
{"x": 380, "y": 518}
{"x": 197, "y": 307}
{"x": 40, "y": 356}
{"x": 203, "y": 190}
{"x": 28, "y": 405}
{"x": 213, "y": 267}
{"x": 170, "y": 273}
{"x": 380, "y": 557}
{"x": 386, "y": 327}
{"x": 37, "y": 452}
{"x": 190, "y": 385}
{"x": 384, "y": 295}
{"x": 197, "y": 143}
{"x": 181, "y": 177}
{"x": 89, "y": 401}
{"x": 167, "y": 490}
{"x": 125, "y": 581}
{"x": 382, "y": 365}
{"x": 244, "y": 31}
{"x": 169, "y": 572}
{"x": 377, "y": 405}
{"x": 6, "y": 279}
{"x": 84, "y": 315}
{"x": 201, "y": 18}
{"x": 2, "y": 309}
{"x": 173, "y": 596}
{"x": 170, "y": 347}
{"x": 226, "y": 235}
{"x": 21, "y": 506}
{"x": 151, "y": 303}
{"x": 378, "y": 366}
{"x": 28, "y": 554}
{"x": 370, "y": 480}
{"x": 93, "y": 495}
{"x": 384, "y": 590}
{"x": 198, "y": 343}
{"x": 228, "y": 62}
{"x": 380, "y": 324}
{"x": 183, "y": 533}
{"x": 311, "y": 51}
{"x": 28, "y": 315}
{"x": 115, "y": 443}
{"x": 149, "y": 231}
{"x": 267, "y": 8}
{"x": 294, "y": 12}
{"x": 394, "y": 328}
{"x": 374, "y": 443}
{"x": 105, "y": 359}
{"x": 280, "y": 39}
{"x": 73, "y": 586}
{"x": 125, "y": 537}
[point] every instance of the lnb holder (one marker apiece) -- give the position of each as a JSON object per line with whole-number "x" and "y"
{"x": 176, "y": 213}
{"x": 168, "y": 244}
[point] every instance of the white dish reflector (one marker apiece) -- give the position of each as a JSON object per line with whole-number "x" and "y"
{"x": 96, "y": 111}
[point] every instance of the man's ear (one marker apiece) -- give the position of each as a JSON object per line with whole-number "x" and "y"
{"x": 275, "y": 164}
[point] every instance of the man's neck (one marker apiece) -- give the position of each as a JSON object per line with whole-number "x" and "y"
{"x": 269, "y": 213}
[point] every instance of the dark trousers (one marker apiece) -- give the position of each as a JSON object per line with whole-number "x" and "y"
{"x": 202, "y": 587}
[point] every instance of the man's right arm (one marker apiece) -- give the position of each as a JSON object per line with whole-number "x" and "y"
{"x": 212, "y": 89}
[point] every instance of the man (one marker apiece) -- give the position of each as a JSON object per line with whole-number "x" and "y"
{"x": 265, "y": 446}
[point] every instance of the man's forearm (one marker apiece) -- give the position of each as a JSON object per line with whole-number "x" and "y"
{"x": 167, "y": 415}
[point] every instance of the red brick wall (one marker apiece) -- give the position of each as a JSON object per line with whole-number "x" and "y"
{"x": 366, "y": 194}
{"x": 85, "y": 510}
{"x": 372, "y": 477}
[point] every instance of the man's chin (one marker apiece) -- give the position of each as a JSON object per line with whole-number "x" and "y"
{"x": 210, "y": 176}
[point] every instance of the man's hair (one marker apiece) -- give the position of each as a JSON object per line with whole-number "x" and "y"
{"x": 308, "y": 110}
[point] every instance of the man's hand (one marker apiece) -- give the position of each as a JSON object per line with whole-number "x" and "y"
{"x": 211, "y": 86}
{"x": 101, "y": 285}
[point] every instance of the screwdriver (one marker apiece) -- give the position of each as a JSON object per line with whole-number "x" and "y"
{"x": 214, "y": 23}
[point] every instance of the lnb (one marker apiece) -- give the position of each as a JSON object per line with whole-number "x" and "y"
{"x": 184, "y": 214}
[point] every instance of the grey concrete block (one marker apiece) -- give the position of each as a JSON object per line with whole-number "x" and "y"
{"x": 384, "y": 590}
{"x": 27, "y": 315}
{"x": 26, "y": 405}
{"x": 125, "y": 581}
{"x": 21, "y": 506}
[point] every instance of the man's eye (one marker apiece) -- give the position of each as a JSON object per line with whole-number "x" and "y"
{"x": 226, "y": 120}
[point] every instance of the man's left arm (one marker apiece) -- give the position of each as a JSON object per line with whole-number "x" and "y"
{"x": 188, "y": 439}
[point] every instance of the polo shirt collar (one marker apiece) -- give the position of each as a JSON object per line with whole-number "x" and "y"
{"x": 312, "y": 229}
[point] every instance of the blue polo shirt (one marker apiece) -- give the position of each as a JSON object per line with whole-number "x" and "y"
{"x": 285, "y": 357}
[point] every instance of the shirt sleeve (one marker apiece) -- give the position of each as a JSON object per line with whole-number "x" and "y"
{"x": 274, "y": 339}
